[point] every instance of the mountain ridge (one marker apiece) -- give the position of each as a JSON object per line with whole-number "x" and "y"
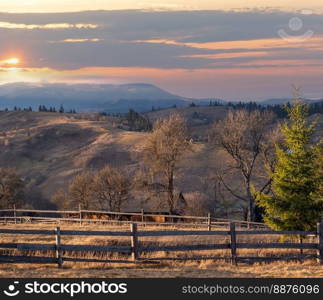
{"x": 109, "y": 98}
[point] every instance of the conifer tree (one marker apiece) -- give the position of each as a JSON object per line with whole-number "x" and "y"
{"x": 320, "y": 169}
{"x": 295, "y": 203}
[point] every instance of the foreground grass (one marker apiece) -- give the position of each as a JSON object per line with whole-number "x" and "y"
{"x": 308, "y": 269}
{"x": 169, "y": 269}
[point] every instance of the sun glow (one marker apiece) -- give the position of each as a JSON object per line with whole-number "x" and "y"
{"x": 11, "y": 61}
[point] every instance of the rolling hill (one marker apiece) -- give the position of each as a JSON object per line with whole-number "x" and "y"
{"x": 49, "y": 149}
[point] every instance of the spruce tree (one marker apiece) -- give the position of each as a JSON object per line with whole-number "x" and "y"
{"x": 320, "y": 169}
{"x": 295, "y": 203}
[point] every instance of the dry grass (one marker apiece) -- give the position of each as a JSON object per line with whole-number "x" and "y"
{"x": 201, "y": 268}
{"x": 212, "y": 269}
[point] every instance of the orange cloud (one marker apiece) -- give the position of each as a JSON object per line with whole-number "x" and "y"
{"x": 136, "y": 74}
{"x": 234, "y": 83}
{"x": 71, "y": 40}
{"x": 244, "y": 44}
{"x": 7, "y": 25}
{"x": 228, "y": 55}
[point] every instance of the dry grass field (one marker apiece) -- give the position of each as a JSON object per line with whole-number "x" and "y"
{"x": 202, "y": 269}
{"x": 165, "y": 268}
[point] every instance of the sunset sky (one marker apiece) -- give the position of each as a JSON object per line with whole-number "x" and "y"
{"x": 233, "y": 49}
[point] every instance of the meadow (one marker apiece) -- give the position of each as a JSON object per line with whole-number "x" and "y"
{"x": 162, "y": 267}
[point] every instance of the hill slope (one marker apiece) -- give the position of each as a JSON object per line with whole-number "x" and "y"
{"x": 49, "y": 149}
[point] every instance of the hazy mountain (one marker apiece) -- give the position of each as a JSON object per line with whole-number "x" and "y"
{"x": 102, "y": 97}
{"x": 89, "y": 98}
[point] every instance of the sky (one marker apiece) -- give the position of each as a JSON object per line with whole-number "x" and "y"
{"x": 233, "y": 49}
{"x": 17, "y": 6}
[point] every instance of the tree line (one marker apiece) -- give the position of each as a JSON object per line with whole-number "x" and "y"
{"x": 43, "y": 108}
{"x": 279, "y": 109}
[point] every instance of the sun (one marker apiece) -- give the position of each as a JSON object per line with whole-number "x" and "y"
{"x": 11, "y": 61}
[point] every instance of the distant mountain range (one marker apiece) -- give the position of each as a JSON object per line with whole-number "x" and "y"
{"x": 89, "y": 98}
{"x": 100, "y": 97}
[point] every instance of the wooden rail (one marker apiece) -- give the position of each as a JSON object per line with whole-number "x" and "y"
{"x": 135, "y": 249}
{"x": 81, "y": 216}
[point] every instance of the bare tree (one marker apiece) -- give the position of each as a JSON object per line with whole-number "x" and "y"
{"x": 61, "y": 199}
{"x": 81, "y": 191}
{"x": 242, "y": 135}
{"x": 111, "y": 188}
{"x": 163, "y": 151}
{"x": 11, "y": 188}
{"x": 198, "y": 204}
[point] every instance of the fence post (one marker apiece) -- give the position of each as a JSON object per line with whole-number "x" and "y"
{"x": 14, "y": 214}
{"x": 209, "y": 222}
{"x": 134, "y": 242}
{"x": 80, "y": 214}
{"x": 58, "y": 247}
{"x": 233, "y": 243}
{"x": 142, "y": 215}
{"x": 320, "y": 242}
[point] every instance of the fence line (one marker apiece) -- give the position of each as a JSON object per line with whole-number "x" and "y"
{"x": 135, "y": 249}
{"x": 82, "y": 216}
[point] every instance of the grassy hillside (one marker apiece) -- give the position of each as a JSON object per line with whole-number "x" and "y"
{"x": 48, "y": 149}
{"x": 199, "y": 118}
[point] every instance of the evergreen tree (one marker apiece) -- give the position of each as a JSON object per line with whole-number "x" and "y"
{"x": 320, "y": 169}
{"x": 61, "y": 109}
{"x": 294, "y": 203}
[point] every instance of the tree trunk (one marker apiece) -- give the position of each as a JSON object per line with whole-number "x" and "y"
{"x": 170, "y": 192}
{"x": 251, "y": 205}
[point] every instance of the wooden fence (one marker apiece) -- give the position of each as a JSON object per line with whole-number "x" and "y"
{"x": 107, "y": 217}
{"x": 135, "y": 249}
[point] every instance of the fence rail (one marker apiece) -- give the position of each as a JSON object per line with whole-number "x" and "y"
{"x": 135, "y": 249}
{"x": 82, "y": 216}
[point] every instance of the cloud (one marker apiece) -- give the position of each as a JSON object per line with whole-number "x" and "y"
{"x": 7, "y": 25}
{"x": 219, "y": 41}
{"x": 72, "y": 40}
{"x": 191, "y": 39}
